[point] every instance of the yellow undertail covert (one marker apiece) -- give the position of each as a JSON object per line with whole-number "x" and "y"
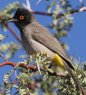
{"x": 58, "y": 60}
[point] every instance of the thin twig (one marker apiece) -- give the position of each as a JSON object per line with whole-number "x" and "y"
{"x": 13, "y": 32}
{"x": 82, "y": 9}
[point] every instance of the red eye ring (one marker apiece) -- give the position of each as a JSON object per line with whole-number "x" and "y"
{"x": 21, "y": 17}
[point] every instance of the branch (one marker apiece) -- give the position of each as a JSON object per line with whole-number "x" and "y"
{"x": 34, "y": 68}
{"x": 11, "y": 30}
{"x": 15, "y": 64}
{"x": 82, "y": 9}
{"x": 7, "y": 63}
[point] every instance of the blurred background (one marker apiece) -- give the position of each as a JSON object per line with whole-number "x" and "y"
{"x": 73, "y": 37}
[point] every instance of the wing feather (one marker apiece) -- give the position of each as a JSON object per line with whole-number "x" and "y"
{"x": 44, "y": 37}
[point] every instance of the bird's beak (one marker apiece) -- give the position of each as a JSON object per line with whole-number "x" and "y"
{"x": 12, "y": 20}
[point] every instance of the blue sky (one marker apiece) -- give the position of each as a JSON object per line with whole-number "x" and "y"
{"x": 76, "y": 38}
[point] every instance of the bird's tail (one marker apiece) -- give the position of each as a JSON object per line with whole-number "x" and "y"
{"x": 78, "y": 86}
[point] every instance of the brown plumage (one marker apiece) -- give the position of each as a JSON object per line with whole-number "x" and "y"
{"x": 36, "y": 38}
{"x": 35, "y": 34}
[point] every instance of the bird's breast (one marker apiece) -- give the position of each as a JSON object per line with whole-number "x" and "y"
{"x": 38, "y": 47}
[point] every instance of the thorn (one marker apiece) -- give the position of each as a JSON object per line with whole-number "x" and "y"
{"x": 39, "y": 69}
{"x": 28, "y": 5}
{"x": 38, "y": 2}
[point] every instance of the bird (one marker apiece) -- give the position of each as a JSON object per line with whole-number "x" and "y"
{"x": 36, "y": 38}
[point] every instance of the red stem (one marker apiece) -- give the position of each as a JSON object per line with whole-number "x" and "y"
{"x": 15, "y": 64}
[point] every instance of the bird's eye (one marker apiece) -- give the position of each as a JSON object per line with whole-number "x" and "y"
{"x": 21, "y": 17}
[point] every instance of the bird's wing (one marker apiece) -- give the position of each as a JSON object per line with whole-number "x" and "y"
{"x": 41, "y": 35}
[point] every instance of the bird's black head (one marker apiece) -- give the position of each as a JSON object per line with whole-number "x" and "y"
{"x": 22, "y": 17}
